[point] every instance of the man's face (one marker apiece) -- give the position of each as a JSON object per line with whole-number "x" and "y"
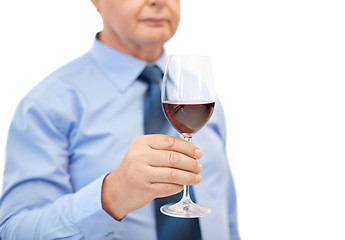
{"x": 139, "y": 22}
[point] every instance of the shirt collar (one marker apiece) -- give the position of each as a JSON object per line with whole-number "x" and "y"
{"x": 121, "y": 68}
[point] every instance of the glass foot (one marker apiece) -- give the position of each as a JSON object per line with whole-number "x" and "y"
{"x": 185, "y": 209}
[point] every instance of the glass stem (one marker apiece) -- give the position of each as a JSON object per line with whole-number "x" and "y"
{"x": 186, "y": 187}
{"x": 186, "y": 192}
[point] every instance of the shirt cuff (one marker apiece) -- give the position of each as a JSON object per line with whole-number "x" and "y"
{"x": 89, "y": 216}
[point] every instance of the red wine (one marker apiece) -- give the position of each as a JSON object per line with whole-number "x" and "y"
{"x": 188, "y": 118}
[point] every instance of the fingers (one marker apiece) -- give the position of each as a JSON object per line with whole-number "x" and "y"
{"x": 165, "y": 142}
{"x": 176, "y": 160}
{"x": 166, "y": 189}
{"x": 166, "y": 164}
{"x": 173, "y": 176}
{"x": 175, "y": 181}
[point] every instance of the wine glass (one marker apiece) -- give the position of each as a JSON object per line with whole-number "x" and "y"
{"x": 188, "y": 99}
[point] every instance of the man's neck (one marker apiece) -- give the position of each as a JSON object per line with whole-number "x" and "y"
{"x": 149, "y": 52}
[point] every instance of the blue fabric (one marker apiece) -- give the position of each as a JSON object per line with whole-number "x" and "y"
{"x": 72, "y": 129}
{"x": 171, "y": 228}
{"x": 154, "y": 119}
{"x": 155, "y": 122}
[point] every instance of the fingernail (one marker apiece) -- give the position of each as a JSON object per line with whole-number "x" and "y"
{"x": 199, "y": 167}
{"x": 198, "y": 178}
{"x": 198, "y": 153}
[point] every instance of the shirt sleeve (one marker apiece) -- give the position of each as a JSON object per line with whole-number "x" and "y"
{"x": 38, "y": 200}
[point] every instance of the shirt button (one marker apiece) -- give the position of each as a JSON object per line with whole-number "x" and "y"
{"x": 109, "y": 234}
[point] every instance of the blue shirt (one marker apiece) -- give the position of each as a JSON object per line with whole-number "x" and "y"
{"x": 71, "y": 130}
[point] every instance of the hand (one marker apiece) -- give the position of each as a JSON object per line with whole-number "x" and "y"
{"x": 154, "y": 166}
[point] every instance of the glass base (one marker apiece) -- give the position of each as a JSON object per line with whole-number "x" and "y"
{"x": 185, "y": 209}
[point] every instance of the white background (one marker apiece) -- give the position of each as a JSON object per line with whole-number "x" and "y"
{"x": 280, "y": 73}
